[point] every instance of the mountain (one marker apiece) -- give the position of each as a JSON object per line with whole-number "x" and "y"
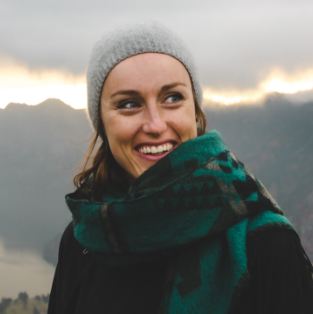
{"x": 275, "y": 141}
{"x": 41, "y": 147}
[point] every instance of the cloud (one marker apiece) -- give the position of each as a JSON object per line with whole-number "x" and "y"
{"x": 21, "y": 84}
{"x": 298, "y": 86}
{"x": 234, "y": 44}
{"x": 23, "y": 271}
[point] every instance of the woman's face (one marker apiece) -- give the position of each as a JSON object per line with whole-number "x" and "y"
{"x": 147, "y": 109}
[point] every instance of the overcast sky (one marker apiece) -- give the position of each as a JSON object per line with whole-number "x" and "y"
{"x": 235, "y": 43}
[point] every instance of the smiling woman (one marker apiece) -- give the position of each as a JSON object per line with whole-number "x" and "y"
{"x": 165, "y": 218}
{"x": 150, "y": 115}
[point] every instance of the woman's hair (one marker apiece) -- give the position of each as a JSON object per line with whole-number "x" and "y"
{"x": 100, "y": 170}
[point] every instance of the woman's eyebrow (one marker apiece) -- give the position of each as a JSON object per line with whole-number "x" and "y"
{"x": 131, "y": 92}
{"x": 125, "y": 92}
{"x": 172, "y": 85}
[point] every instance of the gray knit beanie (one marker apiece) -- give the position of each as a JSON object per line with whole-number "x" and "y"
{"x": 126, "y": 42}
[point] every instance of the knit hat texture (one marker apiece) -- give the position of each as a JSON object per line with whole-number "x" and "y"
{"x": 128, "y": 41}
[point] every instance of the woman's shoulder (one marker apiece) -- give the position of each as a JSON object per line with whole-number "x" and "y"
{"x": 280, "y": 273}
{"x": 67, "y": 238}
{"x": 69, "y": 246}
{"x": 277, "y": 245}
{"x": 277, "y": 253}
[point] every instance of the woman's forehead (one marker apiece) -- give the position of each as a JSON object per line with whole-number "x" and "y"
{"x": 144, "y": 70}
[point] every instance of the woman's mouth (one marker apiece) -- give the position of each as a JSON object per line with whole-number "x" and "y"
{"x": 155, "y": 152}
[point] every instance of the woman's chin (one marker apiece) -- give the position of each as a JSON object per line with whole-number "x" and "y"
{"x": 146, "y": 161}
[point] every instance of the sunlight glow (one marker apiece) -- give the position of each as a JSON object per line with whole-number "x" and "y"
{"x": 228, "y": 98}
{"x": 21, "y": 85}
{"x": 281, "y": 83}
{"x": 276, "y": 82}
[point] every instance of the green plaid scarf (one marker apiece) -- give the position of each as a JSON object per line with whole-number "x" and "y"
{"x": 199, "y": 200}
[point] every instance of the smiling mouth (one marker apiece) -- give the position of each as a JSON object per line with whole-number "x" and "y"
{"x": 156, "y": 150}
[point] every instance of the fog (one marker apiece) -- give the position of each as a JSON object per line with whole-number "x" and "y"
{"x": 23, "y": 271}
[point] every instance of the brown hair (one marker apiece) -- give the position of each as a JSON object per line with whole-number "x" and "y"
{"x": 100, "y": 170}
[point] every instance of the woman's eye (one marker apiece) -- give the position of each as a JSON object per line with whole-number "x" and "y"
{"x": 128, "y": 104}
{"x": 173, "y": 98}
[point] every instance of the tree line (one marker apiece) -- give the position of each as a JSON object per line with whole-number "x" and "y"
{"x": 23, "y": 304}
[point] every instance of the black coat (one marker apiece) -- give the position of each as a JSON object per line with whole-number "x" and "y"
{"x": 280, "y": 279}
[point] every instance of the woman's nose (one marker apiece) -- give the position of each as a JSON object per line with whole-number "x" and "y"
{"x": 154, "y": 122}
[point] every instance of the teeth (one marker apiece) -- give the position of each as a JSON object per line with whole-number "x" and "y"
{"x": 156, "y": 149}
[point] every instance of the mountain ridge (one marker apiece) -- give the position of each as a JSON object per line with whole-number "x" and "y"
{"x": 42, "y": 147}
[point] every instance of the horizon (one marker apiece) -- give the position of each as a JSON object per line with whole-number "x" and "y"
{"x": 243, "y": 51}
{"x": 71, "y": 89}
{"x": 296, "y": 89}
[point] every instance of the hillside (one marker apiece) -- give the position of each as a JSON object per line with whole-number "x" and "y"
{"x": 276, "y": 143}
{"x": 41, "y": 146}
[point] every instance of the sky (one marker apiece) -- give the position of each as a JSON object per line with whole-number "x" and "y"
{"x": 243, "y": 49}
{"x": 20, "y": 268}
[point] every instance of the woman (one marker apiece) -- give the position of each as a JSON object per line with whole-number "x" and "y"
{"x": 165, "y": 218}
